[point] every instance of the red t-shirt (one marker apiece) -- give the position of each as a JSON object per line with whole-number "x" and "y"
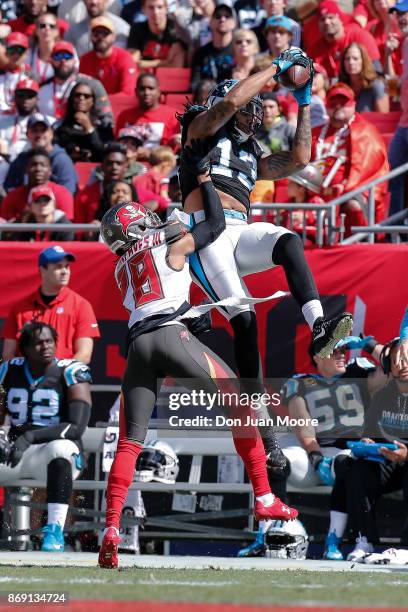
{"x": 69, "y": 313}
{"x": 87, "y": 201}
{"x": 329, "y": 54}
{"x": 161, "y": 120}
{"x": 21, "y": 25}
{"x": 16, "y": 201}
{"x": 117, "y": 73}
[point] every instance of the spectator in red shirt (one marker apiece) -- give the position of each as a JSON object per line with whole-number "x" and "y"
{"x": 384, "y": 26}
{"x": 335, "y": 37}
{"x": 163, "y": 162}
{"x": 32, "y": 9}
{"x": 159, "y": 119}
{"x": 114, "y": 165}
{"x": 54, "y": 303}
{"x": 38, "y": 173}
{"x": 351, "y": 153}
{"x": 113, "y": 66}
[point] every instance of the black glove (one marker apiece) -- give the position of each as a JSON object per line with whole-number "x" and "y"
{"x": 174, "y": 231}
{"x": 17, "y": 451}
{"x": 197, "y": 157}
{"x": 277, "y": 464}
{"x": 5, "y": 447}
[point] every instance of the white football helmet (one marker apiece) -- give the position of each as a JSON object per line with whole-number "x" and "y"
{"x": 157, "y": 461}
{"x": 286, "y": 540}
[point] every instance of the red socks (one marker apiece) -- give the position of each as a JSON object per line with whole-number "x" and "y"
{"x": 120, "y": 479}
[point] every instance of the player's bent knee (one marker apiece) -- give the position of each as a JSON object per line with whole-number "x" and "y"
{"x": 65, "y": 449}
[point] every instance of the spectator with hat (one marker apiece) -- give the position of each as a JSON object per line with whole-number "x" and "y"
{"x": 350, "y": 152}
{"x": 335, "y": 36}
{"x": 38, "y": 170}
{"x": 80, "y": 132}
{"x": 278, "y": 32}
{"x": 40, "y": 133}
{"x": 13, "y": 125}
{"x": 398, "y": 152}
{"x": 16, "y": 53}
{"x": 56, "y": 304}
{"x": 44, "y": 37}
{"x": 215, "y": 59}
{"x": 276, "y": 8}
{"x": 54, "y": 93}
{"x": 79, "y": 33}
{"x": 133, "y": 138}
{"x": 30, "y": 11}
{"x": 154, "y": 42}
{"x": 42, "y": 208}
{"x": 113, "y": 66}
{"x": 161, "y": 125}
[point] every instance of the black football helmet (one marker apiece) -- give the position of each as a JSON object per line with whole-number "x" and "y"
{"x": 124, "y": 223}
{"x": 247, "y": 120}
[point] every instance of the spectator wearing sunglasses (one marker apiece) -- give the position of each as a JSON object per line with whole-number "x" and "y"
{"x": 80, "y": 132}
{"x": 113, "y": 66}
{"x": 245, "y": 48}
{"x": 54, "y": 93}
{"x": 13, "y": 125}
{"x": 30, "y": 11}
{"x": 45, "y": 36}
{"x": 16, "y": 67}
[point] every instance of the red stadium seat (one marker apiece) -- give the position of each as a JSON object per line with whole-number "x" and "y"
{"x": 84, "y": 171}
{"x": 384, "y": 122}
{"x": 177, "y": 100}
{"x": 174, "y": 80}
{"x": 120, "y": 102}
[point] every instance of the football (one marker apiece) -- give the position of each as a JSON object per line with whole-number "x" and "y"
{"x": 295, "y": 77}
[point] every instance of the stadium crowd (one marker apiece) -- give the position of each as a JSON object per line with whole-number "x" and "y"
{"x": 91, "y": 90}
{"x": 89, "y": 93}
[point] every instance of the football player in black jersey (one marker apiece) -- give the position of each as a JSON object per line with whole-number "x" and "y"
{"x": 385, "y": 422}
{"x": 337, "y": 397}
{"x": 48, "y": 403}
{"x": 230, "y": 118}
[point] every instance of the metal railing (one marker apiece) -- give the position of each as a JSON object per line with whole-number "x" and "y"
{"x": 326, "y": 216}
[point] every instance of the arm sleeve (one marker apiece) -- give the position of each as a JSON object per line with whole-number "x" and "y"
{"x": 207, "y": 231}
{"x": 78, "y": 417}
{"x": 404, "y": 326}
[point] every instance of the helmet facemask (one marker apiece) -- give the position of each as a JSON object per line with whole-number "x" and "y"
{"x": 247, "y": 120}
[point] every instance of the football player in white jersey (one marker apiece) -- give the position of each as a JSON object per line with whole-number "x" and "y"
{"x": 48, "y": 402}
{"x": 154, "y": 281}
{"x": 230, "y": 118}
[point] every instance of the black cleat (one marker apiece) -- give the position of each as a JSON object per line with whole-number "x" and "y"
{"x": 327, "y": 332}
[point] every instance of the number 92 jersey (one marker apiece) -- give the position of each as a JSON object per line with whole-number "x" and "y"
{"x": 338, "y": 403}
{"x": 43, "y": 401}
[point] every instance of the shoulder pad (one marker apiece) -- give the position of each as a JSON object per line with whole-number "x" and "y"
{"x": 76, "y": 372}
{"x": 18, "y": 361}
{"x": 362, "y": 362}
{"x": 3, "y": 371}
{"x": 289, "y": 389}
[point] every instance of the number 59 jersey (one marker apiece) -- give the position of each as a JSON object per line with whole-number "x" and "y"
{"x": 338, "y": 403}
{"x": 147, "y": 284}
{"x": 43, "y": 401}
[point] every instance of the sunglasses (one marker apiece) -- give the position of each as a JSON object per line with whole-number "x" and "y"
{"x": 15, "y": 49}
{"x": 80, "y": 94}
{"x": 62, "y": 55}
{"x": 101, "y": 32}
{"x": 43, "y": 26}
{"x": 25, "y": 94}
{"x": 278, "y": 31}
{"x": 244, "y": 40}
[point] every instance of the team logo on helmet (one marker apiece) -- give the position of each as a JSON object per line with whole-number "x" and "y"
{"x": 130, "y": 213}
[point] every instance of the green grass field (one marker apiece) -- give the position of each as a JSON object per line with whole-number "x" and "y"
{"x": 371, "y": 589}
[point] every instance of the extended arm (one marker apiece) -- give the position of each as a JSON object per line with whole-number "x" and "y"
{"x": 282, "y": 164}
